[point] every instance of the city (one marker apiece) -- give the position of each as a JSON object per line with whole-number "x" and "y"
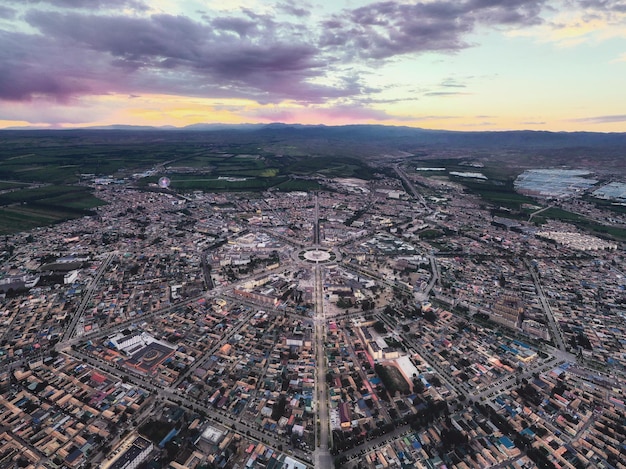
{"x": 330, "y": 234}
{"x": 401, "y": 320}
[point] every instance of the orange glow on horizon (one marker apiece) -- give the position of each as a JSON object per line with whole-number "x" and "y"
{"x": 180, "y": 111}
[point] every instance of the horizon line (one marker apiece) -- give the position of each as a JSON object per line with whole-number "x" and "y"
{"x": 222, "y": 126}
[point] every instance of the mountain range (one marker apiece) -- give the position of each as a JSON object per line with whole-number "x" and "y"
{"x": 396, "y": 137}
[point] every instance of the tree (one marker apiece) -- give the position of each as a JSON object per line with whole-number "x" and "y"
{"x": 379, "y": 327}
{"x": 435, "y": 381}
{"x": 279, "y": 408}
{"x": 418, "y": 386}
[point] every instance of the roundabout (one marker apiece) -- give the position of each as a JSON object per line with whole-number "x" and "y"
{"x": 317, "y": 255}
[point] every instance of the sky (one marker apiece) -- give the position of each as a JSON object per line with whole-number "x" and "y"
{"x": 439, "y": 64}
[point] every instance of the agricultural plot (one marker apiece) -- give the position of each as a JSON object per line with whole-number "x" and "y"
{"x": 28, "y": 208}
{"x": 10, "y": 185}
{"x": 332, "y": 167}
{"x": 251, "y": 172}
{"x": 62, "y": 160}
{"x": 195, "y": 182}
{"x": 498, "y": 193}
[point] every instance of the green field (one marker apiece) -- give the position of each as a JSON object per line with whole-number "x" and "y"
{"x": 9, "y": 185}
{"x": 25, "y": 217}
{"x": 61, "y": 158}
{"x": 299, "y": 185}
{"x": 500, "y": 194}
{"x": 606, "y": 204}
{"x": 194, "y": 182}
{"x": 29, "y": 208}
{"x": 57, "y": 161}
{"x": 610, "y": 231}
{"x": 332, "y": 167}
{"x": 202, "y": 160}
{"x": 592, "y": 227}
{"x": 555, "y": 213}
{"x": 42, "y": 193}
{"x": 497, "y": 189}
{"x": 260, "y": 173}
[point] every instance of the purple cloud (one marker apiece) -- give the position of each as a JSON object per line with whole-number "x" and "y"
{"x": 512, "y": 12}
{"x": 602, "y": 119}
{"x": 617, "y": 6}
{"x": 177, "y": 54}
{"x": 242, "y": 26}
{"x": 250, "y": 55}
{"x": 386, "y": 29}
{"x": 303, "y": 9}
{"x": 33, "y": 66}
{"x": 90, "y": 4}
{"x": 147, "y": 40}
{"x": 7, "y": 12}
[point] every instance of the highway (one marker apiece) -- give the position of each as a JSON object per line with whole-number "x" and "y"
{"x": 530, "y": 217}
{"x": 410, "y": 185}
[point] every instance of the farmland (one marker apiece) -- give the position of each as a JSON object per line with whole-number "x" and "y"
{"x": 28, "y": 208}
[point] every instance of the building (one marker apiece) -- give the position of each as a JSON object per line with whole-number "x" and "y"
{"x": 134, "y": 455}
{"x": 535, "y": 328}
{"x": 507, "y": 310}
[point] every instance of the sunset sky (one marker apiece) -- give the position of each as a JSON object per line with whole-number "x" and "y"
{"x": 441, "y": 64}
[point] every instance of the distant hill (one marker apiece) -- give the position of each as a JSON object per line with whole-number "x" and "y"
{"x": 396, "y": 136}
{"x": 417, "y": 136}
